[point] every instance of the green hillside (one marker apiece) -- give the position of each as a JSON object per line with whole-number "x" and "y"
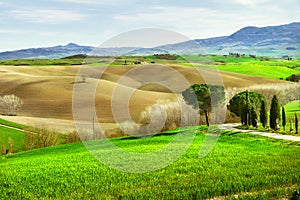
{"x": 264, "y": 69}
{"x": 292, "y": 108}
{"x": 11, "y": 134}
{"x": 16, "y": 137}
{"x": 269, "y": 68}
{"x": 246, "y": 165}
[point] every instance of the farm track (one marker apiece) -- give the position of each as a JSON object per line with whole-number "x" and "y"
{"x": 11, "y": 127}
{"x": 231, "y": 127}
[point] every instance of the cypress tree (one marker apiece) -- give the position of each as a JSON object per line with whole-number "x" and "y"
{"x": 274, "y": 113}
{"x": 247, "y": 109}
{"x": 291, "y": 124}
{"x": 244, "y": 114}
{"x": 296, "y": 123}
{"x": 263, "y": 114}
{"x": 253, "y": 117}
{"x": 283, "y": 118}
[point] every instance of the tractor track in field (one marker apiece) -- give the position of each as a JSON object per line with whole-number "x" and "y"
{"x": 11, "y": 127}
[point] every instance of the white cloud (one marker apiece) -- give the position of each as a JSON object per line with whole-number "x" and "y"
{"x": 79, "y": 1}
{"x": 250, "y": 2}
{"x": 94, "y": 2}
{"x": 29, "y": 32}
{"x": 14, "y": 31}
{"x": 47, "y": 16}
{"x": 175, "y": 18}
{"x": 201, "y": 22}
{"x": 192, "y": 22}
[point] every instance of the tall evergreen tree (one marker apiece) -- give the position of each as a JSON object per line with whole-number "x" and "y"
{"x": 283, "y": 118}
{"x": 296, "y": 123}
{"x": 244, "y": 114}
{"x": 291, "y": 124}
{"x": 253, "y": 117}
{"x": 263, "y": 114}
{"x": 247, "y": 109}
{"x": 274, "y": 113}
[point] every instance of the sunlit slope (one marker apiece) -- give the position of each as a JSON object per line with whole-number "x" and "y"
{"x": 47, "y": 90}
{"x": 240, "y": 164}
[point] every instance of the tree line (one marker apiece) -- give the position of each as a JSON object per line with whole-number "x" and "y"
{"x": 251, "y": 107}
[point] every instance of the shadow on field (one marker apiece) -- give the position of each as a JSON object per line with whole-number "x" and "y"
{"x": 154, "y": 135}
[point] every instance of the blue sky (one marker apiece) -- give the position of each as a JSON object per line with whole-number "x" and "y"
{"x": 40, "y": 23}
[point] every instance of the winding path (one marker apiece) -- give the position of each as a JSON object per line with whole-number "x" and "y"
{"x": 231, "y": 127}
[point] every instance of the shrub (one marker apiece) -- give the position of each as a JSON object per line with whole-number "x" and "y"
{"x": 40, "y": 138}
{"x": 170, "y": 115}
{"x": 10, "y": 104}
{"x": 294, "y": 78}
{"x": 166, "y": 56}
{"x": 162, "y": 116}
{"x": 295, "y": 195}
{"x": 72, "y": 138}
{"x": 128, "y": 128}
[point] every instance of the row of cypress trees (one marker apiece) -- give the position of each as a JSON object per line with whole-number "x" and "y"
{"x": 249, "y": 115}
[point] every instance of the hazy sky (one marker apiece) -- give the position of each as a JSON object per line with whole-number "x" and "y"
{"x": 39, "y": 23}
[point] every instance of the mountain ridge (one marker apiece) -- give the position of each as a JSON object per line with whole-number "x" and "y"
{"x": 274, "y": 41}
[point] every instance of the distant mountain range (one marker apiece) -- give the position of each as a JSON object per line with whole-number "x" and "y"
{"x": 274, "y": 41}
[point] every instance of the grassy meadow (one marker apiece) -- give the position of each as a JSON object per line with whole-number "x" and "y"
{"x": 240, "y": 165}
{"x": 269, "y": 70}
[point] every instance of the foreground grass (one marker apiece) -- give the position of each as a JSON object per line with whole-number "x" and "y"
{"x": 239, "y": 164}
{"x": 15, "y": 136}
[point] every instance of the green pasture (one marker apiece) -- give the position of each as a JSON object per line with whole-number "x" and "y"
{"x": 251, "y": 167}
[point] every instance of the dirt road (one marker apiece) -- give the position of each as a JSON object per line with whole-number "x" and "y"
{"x": 231, "y": 127}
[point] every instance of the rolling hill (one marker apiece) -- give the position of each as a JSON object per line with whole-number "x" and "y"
{"x": 47, "y": 90}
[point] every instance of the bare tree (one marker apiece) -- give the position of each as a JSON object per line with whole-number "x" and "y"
{"x": 10, "y": 104}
